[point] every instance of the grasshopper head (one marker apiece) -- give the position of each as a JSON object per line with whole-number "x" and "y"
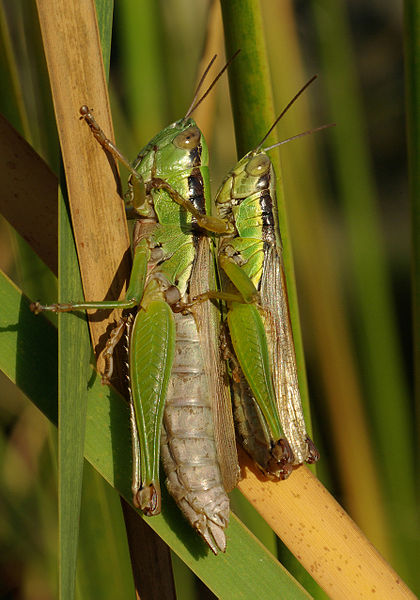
{"x": 178, "y": 147}
{"x": 251, "y": 176}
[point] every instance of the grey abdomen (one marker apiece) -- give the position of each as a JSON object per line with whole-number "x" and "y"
{"x": 187, "y": 444}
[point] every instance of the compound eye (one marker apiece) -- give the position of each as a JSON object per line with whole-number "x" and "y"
{"x": 188, "y": 139}
{"x": 258, "y": 165}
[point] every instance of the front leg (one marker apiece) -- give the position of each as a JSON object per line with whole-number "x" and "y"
{"x": 239, "y": 278}
{"x": 133, "y": 296}
{"x": 207, "y": 222}
{"x": 137, "y": 188}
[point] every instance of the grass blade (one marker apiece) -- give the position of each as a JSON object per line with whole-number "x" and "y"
{"x": 102, "y": 526}
{"x": 247, "y": 568}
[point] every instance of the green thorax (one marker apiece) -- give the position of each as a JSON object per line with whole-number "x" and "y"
{"x": 178, "y": 155}
{"x": 246, "y": 199}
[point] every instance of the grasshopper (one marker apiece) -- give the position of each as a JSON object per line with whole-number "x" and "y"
{"x": 179, "y": 401}
{"x": 267, "y": 405}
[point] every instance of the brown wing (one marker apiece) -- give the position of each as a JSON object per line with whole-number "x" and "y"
{"x": 208, "y": 323}
{"x": 280, "y": 339}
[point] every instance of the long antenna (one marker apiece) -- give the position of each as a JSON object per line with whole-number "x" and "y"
{"x": 200, "y": 83}
{"x": 292, "y": 101}
{"x": 194, "y": 106}
{"x": 295, "y": 137}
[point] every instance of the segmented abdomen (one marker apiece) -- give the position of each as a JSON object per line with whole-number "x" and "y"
{"x": 187, "y": 445}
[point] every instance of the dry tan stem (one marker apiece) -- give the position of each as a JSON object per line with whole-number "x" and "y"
{"x": 322, "y": 536}
{"x": 74, "y": 59}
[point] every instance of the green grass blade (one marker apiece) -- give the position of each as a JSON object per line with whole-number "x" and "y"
{"x": 11, "y": 101}
{"x": 249, "y": 77}
{"x": 36, "y": 88}
{"x": 105, "y": 15}
{"x": 254, "y": 521}
{"x": 30, "y": 363}
{"x": 185, "y": 580}
{"x": 73, "y": 364}
{"x": 246, "y": 569}
{"x": 145, "y": 87}
{"x": 102, "y": 526}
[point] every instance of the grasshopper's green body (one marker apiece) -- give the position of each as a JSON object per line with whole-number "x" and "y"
{"x": 178, "y": 156}
{"x": 181, "y": 265}
{"x": 176, "y": 374}
{"x": 268, "y": 408}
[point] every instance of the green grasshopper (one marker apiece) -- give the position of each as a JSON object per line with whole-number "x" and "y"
{"x": 177, "y": 379}
{"x": 268, "y": 410}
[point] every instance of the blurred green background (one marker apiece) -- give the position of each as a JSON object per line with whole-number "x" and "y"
{"x": 347, "y": 201}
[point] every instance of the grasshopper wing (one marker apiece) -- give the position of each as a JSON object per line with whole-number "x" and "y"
{"x": 208, "y": 321}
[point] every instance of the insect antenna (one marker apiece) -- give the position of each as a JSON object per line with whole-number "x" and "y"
{"x": 295, "y": 137}
{"x": 292, "y": 101}
{"x": 197, "y": 103}
{"x": 200, "y": 83}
